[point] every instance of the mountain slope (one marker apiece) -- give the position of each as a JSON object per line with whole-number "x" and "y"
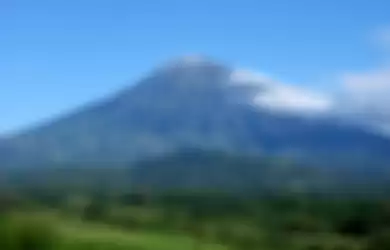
{"x": 187, "y": 103}
{"x": 206, "y": 170}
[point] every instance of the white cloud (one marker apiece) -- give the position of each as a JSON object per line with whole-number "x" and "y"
{"x": 369, "y": 84}
{"x": 364, "y": 96}
{"x": 247, "y": 77}
{"x": 277, "y": 96}
{"x": 293, "y": 99}
{"x": 367, "y": 96}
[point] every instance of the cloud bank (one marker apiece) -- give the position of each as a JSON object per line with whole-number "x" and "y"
{"x": 364, "y": 96}
{"x": 281, "y": 97}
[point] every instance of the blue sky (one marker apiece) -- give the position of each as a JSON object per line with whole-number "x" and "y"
{"x": 58, "y": 55}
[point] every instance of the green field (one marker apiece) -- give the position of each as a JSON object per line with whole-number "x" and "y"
{"x": 105, "y": 237}
{"x": 211, "y": 222}
{"x": 76, "y": 234}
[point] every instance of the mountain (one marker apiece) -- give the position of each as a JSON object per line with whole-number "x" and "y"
{"x": 192, "y": 169}
{"x": 193, "y": 102}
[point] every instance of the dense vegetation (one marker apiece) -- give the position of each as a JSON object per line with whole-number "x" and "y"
{"x": 105, "y": 208}
{"x": 219, "y": 220}
{"x": 194, "y": 169}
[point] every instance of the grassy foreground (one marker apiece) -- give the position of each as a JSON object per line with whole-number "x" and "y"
{"x": 106, "y": 237}
{"x": 76, "y": 234}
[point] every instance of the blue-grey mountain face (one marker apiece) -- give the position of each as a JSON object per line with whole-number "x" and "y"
{"x": 186, "y": 104}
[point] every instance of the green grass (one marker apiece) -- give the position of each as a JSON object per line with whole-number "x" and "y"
{"x": 76, "y": 234}
{"x": 79, "y": 235}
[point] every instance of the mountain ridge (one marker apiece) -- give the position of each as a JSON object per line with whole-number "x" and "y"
{"x": 190, "y": 102}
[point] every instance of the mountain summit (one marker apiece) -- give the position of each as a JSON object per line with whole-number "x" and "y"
{"x": 194, "y": 102}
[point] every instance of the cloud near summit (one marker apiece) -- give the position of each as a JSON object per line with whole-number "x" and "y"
{"x": 363, "y": 96}
{"x": 281, "y": 97}
{"x": 366, "y": 94}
